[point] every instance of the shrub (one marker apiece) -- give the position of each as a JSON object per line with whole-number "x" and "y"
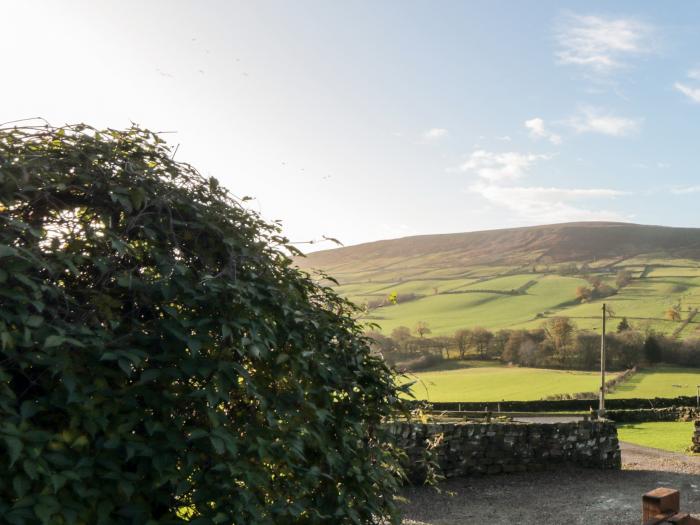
{"x": 423, "y": 362}
{"x": 160, "y": 354}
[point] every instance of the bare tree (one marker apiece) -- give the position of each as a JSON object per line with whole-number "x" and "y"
{"x": 422, "y": 329}
{"x": 462, "y": 339}
{"x": 481, "y": 339}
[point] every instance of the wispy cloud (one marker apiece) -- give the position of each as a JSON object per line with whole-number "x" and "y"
{"x": 595, "y": 120}
{"x": 548, "y": 204}
{"x": 538, "y": 130}
{"x": 435, "y": 134}
{"x": 690, "y": 91}
{"x": 500, "y": 166}
{"x": 693, "y": 93}
{"x": 685, "y": 190}
{"x": 601, "y": 44}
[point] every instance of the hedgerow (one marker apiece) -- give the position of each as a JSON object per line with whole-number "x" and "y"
{"x": 162, "y": 359}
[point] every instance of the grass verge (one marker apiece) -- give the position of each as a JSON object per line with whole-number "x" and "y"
{"x": 674, "y": 436}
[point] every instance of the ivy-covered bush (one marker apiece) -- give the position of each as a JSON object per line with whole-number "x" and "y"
{"x": 161, "y": 358}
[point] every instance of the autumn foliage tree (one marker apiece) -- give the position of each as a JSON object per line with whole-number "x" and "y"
{"x": 560, "y": 332}
{"x": 674, "y": 313}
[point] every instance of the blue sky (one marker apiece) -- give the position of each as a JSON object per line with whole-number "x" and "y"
{"x": 371, "y": 120}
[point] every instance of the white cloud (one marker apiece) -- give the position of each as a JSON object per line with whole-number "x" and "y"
{"x": 692, "y": 89}
{"x": 693, "y": 93}
{"x": 435, "y": 134}
{"x": 500, "y": 166}
{"x": 595, "y": 120}
{"x": 538, "y": 130}
{"x": 548, "y": 204}
{"x": 504, "y": 138}
{"x": 599, "y": 43}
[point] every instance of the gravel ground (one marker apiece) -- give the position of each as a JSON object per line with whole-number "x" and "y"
{"x": 571, "y": 496}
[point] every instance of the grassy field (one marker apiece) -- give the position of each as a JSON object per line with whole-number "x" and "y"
{"x": 673, "y": 436}
{"x": 453, "y": 296}
{"x": 660, "y": 382}
{"x": 447, "y": 312}
{"x": 500, "y": 383}
{"x": 482, "y": 296}
{"x": 483, "y": 381}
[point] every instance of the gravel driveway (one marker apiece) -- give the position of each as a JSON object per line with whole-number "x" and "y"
{"x": 571, "y": 496}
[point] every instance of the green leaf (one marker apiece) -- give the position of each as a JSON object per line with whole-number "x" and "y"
{"x": 21, "y": 485}
{"x": 125, "y": 365}
{"x": 34, "y": 321}
{"x": 138, "y": 197}
{"x": 54, "y": 340}
{"x": 198, "y": 434}
{"x": 7, "y": 251}
{"x": 149, "y": 375}
{"x": 14, "y": 448}
{"x": 218, "y": 444}
{"x": 28, "y": 409}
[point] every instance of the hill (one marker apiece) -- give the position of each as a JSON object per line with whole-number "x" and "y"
{"x": 516, "y": 277}
{"x": 584, "y": 241}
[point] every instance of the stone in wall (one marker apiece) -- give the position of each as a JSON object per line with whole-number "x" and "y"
{"x": 696, "y": 437}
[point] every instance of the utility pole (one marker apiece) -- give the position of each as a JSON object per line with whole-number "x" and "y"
{"x": 601, "y": 407}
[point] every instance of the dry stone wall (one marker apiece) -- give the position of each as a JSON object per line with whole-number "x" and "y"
{"x": 652, "y": 414}
{"x": 464, "y": 449}
{"x": 696, "y": 437}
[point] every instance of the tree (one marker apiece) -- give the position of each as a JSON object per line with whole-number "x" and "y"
{"x": 499, "y": 342}
{"x": 160, "y": 351}
{"x": 480, "y": 340}
{"x": 625, "y": 349}
{"x": 584, "y": 293}
{"x": 623, "y": 278}
{"x": 595, "y": 281}
{"x": 652, "y": 349}
{"x": 401, "y": 334}
{"x": 381, "y": 343}
{"x": 568, "y": 269}
{"x": 422, "y": 329}
{"x": 511, "y": 351}
{"x": 559, "y": 332}
{"x": 587, "y": 353}
{"x": 674, "y": 313}
{"x": 462, "y": 339}
{"x": 603, "y": 290}
{"x": 623, "y": 325}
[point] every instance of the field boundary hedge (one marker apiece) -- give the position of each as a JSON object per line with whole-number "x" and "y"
{"x": 562, "y": 405}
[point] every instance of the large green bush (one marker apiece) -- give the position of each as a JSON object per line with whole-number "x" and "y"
{"x": 160, "y": 355}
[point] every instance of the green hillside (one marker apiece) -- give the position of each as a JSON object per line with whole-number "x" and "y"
{"x": 516, "y": 278}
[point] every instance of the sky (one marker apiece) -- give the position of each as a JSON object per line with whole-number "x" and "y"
{"x": 369, "y": 120}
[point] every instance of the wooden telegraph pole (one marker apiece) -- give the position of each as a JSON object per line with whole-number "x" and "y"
{"x": 601, "y": 407}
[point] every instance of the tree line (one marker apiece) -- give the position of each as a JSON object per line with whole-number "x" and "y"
{"x": 558, "y": 343}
